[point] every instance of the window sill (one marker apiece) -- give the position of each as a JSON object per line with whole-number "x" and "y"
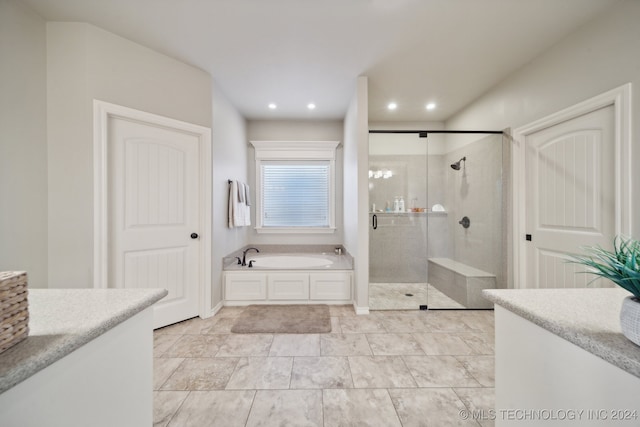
{"x": 295, "y": 230}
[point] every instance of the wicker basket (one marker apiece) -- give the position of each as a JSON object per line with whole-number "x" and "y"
{"x": 14, "y": 308}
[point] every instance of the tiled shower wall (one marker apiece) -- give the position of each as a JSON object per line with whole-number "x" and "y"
{"x": 399, "y": 247}
{"x": 476, "y": 191}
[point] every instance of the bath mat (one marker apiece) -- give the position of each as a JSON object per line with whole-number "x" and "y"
{"x": 283, "y": 319}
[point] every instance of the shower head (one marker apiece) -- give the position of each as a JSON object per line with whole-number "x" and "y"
{"x": 456, "y": 165}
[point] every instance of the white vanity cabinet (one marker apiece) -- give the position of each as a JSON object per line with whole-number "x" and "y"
{"x": 88, "y": 360}
{"x": 291, "y": 287}
{"x": 561, "y": 359}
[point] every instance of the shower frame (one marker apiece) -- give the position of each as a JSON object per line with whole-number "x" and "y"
{"x": 425, "y": 134}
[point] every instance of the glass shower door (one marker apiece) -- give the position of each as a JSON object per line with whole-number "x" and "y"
{"x": 397, "y": 221}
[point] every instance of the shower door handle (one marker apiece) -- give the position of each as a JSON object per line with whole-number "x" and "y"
{"x": 375, "y": 221}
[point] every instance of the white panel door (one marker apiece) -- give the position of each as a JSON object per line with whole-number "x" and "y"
{"x": 570, "y": 198}
{"x": 153, "y": 211}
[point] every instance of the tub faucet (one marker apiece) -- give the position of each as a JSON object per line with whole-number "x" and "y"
{"x": 244, "y": 255}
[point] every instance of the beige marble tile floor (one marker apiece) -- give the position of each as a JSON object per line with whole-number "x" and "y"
{"x": 388, "y": 368}
{"x": 408, "y": 296}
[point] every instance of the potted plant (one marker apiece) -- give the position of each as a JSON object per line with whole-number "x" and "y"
{"x": 622, "y": 267}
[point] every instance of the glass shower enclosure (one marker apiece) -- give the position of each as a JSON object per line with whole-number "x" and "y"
{"x": 437, "y": 233}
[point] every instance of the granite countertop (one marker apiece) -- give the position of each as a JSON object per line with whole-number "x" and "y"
{"x": 588, "y": 318}
{"x": 62, "y": 320}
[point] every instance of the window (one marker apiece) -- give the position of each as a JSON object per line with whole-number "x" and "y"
{"x": 295, "y": 187}
{"x": 295, "y": 194}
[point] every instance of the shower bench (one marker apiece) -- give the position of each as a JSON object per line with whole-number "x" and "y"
{"x": 461, "y": 282}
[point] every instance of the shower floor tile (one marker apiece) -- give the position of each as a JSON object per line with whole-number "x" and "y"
{"x": 407, "y": 296}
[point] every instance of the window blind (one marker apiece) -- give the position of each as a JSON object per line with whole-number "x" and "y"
{"x": 295, "y": 194}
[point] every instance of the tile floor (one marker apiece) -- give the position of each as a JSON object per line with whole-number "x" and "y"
{"x": 389, "y": 368}
{"x": 393, "y": 296}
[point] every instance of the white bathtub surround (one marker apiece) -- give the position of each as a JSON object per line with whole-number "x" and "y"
{"x": 291, "y": 261}
{"x": 287, "y": 287}
{"x": 80, "y": 338}
{"x": 575, "y": 355}
{"x": 289, "y": 274}
{"x": 461, "y": 282}
{"x": 301, "y": 252}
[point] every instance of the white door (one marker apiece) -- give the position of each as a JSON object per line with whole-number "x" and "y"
{"x": 153, "y": 201}
{"x": 570, "y": 197}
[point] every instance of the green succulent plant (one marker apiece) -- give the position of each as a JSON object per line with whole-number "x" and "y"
{"x": 621, "y": 266}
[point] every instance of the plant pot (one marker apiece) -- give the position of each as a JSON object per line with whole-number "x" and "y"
{"x": 630, "y": 319}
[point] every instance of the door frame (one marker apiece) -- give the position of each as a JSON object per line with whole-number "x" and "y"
{"x": 102, "y": 112}
{"x": 620, "y": 99}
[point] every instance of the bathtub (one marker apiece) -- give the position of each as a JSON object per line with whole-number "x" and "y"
{"x": 266, "y": 260}
{"x": 291, "y": 262}
{"x": 289, "y": 278}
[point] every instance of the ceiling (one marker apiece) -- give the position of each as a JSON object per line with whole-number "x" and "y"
{"x": 293, "y": 52}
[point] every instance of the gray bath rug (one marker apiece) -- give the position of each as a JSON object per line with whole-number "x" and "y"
{"x": 283, "y": 319}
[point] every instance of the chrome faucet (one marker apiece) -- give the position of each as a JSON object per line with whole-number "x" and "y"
{"x": 244, "y": 255}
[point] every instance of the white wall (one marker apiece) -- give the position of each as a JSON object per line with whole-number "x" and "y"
{"x": 436, "y": 143}
{"x": 297, "y": 130}
{"x": 23, "y": 144}
{"x": 356, "y": 190}
{"x": 598, "y": 57}
{"x": 85, "y": 63}
{"x": 229, "y": 134}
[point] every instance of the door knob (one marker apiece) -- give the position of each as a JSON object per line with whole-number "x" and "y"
{"x": 194, "y": 235}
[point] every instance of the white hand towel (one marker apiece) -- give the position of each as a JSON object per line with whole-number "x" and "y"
{"x": 241, "y": 192}
{"x": 247, "y": 215}
{"x": 238, "y": 207}
{"x": 233, "y": 203}
{"x": 239, "y": 210}
{"x": 247, "y": 195}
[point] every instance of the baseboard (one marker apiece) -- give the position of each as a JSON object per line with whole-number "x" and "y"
{"x": 215, "y": 310}
{"x": 360, "y": 310}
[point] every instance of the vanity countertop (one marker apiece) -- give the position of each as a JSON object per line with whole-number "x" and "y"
{"x": 62, "y": 320}
{"x": 588, "y": 318}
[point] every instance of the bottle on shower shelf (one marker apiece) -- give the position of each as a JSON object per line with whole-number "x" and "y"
{"x": 396, "y": 204}
{"x": 401, "y": 204}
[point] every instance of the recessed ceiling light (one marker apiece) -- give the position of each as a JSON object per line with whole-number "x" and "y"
{"x": 431, "y": 106}
{"x": 272, "y": 106}
{"x": 392, "y": 106}
{"x": 311, "y": 106}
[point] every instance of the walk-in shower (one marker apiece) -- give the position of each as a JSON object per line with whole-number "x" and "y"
{"x": 436, "y": 236}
